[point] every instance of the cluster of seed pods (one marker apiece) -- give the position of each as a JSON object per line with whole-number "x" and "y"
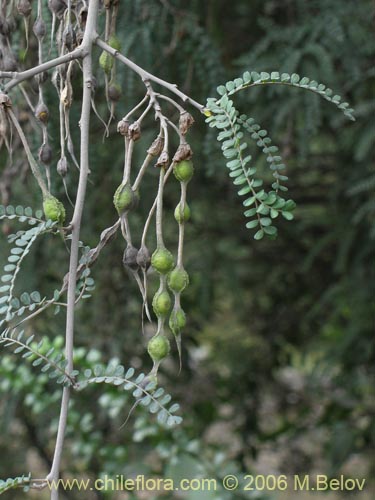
{"x": 66, "y": 33}
{"x": 173, "y": 279}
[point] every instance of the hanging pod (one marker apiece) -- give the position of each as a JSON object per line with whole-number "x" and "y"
{"x": 182, "y": 215}
{"x": 158, "y": 348}
{"x": 177, "y": 321}
{"x": 125, "y": 199}
{"x": 183, "y": 170}
{"x": 161, "y": 303}
{"x": 178, "y": 279}
{"x": 162, "y": 260}
{"x": 54, "y": 209}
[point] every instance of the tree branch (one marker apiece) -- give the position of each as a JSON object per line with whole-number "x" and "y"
{"x": 145, "y": 75}
{"x": 79, "y": 52}
{"x": 87, "y": 43}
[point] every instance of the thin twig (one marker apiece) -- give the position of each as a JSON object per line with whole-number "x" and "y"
{"x": 145, "y": 75}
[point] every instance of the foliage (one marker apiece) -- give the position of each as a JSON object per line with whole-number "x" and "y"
{"x": 266, "y": 317}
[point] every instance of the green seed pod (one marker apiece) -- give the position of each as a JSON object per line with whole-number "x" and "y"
{"x": 106, "y": 62}
{"x": 161, "y": 304}
{"x": 178, "y": 279}
{"x": 162, "y": 260}
{"x": 114, "y": 42}
{"x": 182, "y": 215}
{"x": 158, "y": 347}
{"x": 125, "y": 199}
{"x": 54, "y": 209}
{"x": 183, "y": 170}
{"x": 177, "y": 321}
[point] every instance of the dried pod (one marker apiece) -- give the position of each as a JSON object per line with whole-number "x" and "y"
{"x": 9, "y": 62}
{"x": 178, "y": 279}
{"x": 54, "y": 209}
{"x": 129, "y": 258}
{"x": 45, "y": 154}
{"x": 114, "y": 91}
{"x": 24, "y": 7}
{"x": 163, "y": 160}
{"x": 123, "y": 127}
{"x": 66, "y": 96}
{"x": 125, "y": 199}
{"x": 57, "y": 7}
{"x": 134, "y": 131}
{"x": 158, "y": 348}
{"x": 182, "y": 215}
{"x": 183, "y": 152}
{"x": 161, "y": 303}
{"x": 183, "y": 170}
{"x": 69, "y": 37}
{"x": 42, "y": 113}
{"x": 5, "y": 100}
{"x": 144, "y": 258}
{"x": 156, "y": 147}
{"x": 5, "y": 26}
{"x": 39, "y": 28}
{"x": 162, "y": 260}
{"x": 185, "y": 122}
{"x": 62, "y": 166}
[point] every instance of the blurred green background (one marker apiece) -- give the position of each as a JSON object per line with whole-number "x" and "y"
{"x": 277, "y": 374}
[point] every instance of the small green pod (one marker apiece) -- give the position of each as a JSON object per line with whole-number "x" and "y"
{"x": 158, "y": 347}
{"x": 178, "y": 279}
{"x": 54, "y": 209}
{"x": 177, "y": 321}
{"x": 106, "y": 62}
{"x": 161, "y": 304}
{"x": 183, "y": 170}
{"x": 125, "y": 199}
{"x": 114, "y": 42}
{"x": 182, "y": 215}
{"x": 162, "y": 260}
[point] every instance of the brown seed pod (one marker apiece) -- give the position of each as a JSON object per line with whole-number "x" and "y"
{"x": 144, "y": 258}
{"x": 39, "y": 28}
{"x": 5, "y": 100}
{"x": 5, "y": 26}
{"x": 185, "y": 122}
{"x": 123, "y": 127}
{"x": 114, "y": 92}
{"x": 156, "y": 147}
{"x": 183, "y": 152}
{"x": 24, "y": 7}
{"x": 42, "y": 113}
{"x": 62, "y": 166}
{"x": 57, "y": 7}
{"x": 163, "y": 160}
{"x": 129, "y": 258}
{"x": 45, "y": 154}
{"x": 9, "y": 62}
{"x": 134, "y": 131}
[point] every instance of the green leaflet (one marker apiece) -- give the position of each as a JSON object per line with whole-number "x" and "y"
{"x": 232, "y": 128}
